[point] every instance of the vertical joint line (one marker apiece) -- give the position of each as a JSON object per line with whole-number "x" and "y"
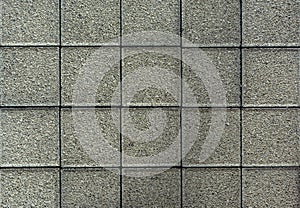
{"x": 241, "y": 102}
{"x": 120, "y": 113}
{"x": 60, "y": 103}
{"x": 181, "y": 104}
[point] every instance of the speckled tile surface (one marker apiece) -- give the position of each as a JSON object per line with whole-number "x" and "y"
{"x": 149, "y": 103}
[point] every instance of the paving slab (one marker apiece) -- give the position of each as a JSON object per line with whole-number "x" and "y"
{"x": 29, "y": 137}
{"x": 211, "y": 23}
{"x": 160, "y": 190}
{"x": 90, "y": 188}
{"x": 271, "y": 77}
{"x": 271, "y": 23}
{"x": 211, "y": 187}
{"x": 271, "y": 137}
{"x": 271, "y": 187}
{"x": 29, "y": 76}
{"x": 29, "y": 188}
{"x": 90, "y": 22}
{"x": 29, "y": 22}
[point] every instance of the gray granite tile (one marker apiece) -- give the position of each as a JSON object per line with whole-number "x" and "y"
{"x": 90, "y": 22}
{"x": 271, "y": 23}
{"x": 211, "y": 23}
{"x": 211, "y": 187}
{"x": 29, "y": 188}
{"x": 160, "y": 190}
{"x": 29, "y": 76}
{"x": 82, "y": 69}
{"x": 90, "y": 188}
{"x": 143, "y": 16}
{"x": 151, "y": 76}
{"x": 271, "y": 137}
{"x": 270, "y": 77}
{"x": 151, "y": 137}
{"x": 227, "y": 151}
{"x": 29, "y": 137}
{"x": 29, "y": 22}
{"x": 271, "y": 188}
{"x": 75, "y": 152}
{"x": 226, "y": 64}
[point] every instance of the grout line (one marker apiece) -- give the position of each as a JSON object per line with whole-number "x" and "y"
{"x": 121, "y": 100}
{"x": 162, "y": 106}
{"x": 241, "y": 103}
{"x": 144, "y": 46}
{"x": 60, "y": 102}
{"x": 181, "y": 104}
{"x": 155, "y": 167}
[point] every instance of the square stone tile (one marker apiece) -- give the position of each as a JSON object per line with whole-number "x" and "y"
{"x": 150, "y": 136}
{"x": 90, "y": 188}
{"x": 271, "y": 23}
{"x": 212, "y": 187}
{"x": 90, "y": 22}
{"x": 150, "y": 22}
{"x": 151, "y": 76}
{"x": 197, "y": 123}
{"x": 201, "y": 69}
{"x": 29, "y": 76}
{"x": 271, "y": 187}
{"x": 211, "y": 23}
{"x": 159, "y": 190}
{"x": 270, "y": 77}
{"x": 29, "y": 137}
{"x": 271, "y": 137}
{"x": 90, "y": 76}
{"x": 90, "y": 137}
{"x": 29, "y": 188}
{"x": 29, "y": 22}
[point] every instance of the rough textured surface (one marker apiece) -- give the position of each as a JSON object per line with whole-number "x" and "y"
{"x": 271, "y": 77}
{"x": 149, "y": 60}
{"x": 211, "y": 188}
{"x": 29, "y": 188}
{"x": 211, "y": 23}
{"x": 162, "y": 128}
{"x": 74, "y": 64}
{"x": 90, "y": 188}
{"x": 90, "y": 22}
{"x": 29, "y": 22}
{"x": 73, "y": 153}
{"x": 29, "y": 76}
{"x": 271, "y": 188}
{"x": 228, "y": 150}
{"x": 145, "y": 15}
{"x": 226, "y": 62}
{"x": 29, "y": 137}
{"x": 271, "y": 23}
{"x": 271, "y": 137}
{"x": 161, "y": 190}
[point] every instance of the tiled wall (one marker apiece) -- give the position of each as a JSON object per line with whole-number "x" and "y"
{"x": 254, "y": 46}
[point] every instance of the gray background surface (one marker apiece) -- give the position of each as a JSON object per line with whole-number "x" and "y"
{"x": 254, "y": 45}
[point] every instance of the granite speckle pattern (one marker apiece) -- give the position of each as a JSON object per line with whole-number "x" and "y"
{"x": 29, "y": 76}
{"x": 29, "y": 22}
{"x": 90, "y": 188}
{"x": 90, "y": 22}
{"x": 148, "y": 191}
{"x": 211, "y": 187}
{"x": 121, "y": 103}
{"x": 273, "y": 187}
{"x": 29, "y": 137}
{"x": 271, "y": 137}
{"x": 29, "y": 187}
{"x": 210, "y": 22}
{"x": 271, "y": 23}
